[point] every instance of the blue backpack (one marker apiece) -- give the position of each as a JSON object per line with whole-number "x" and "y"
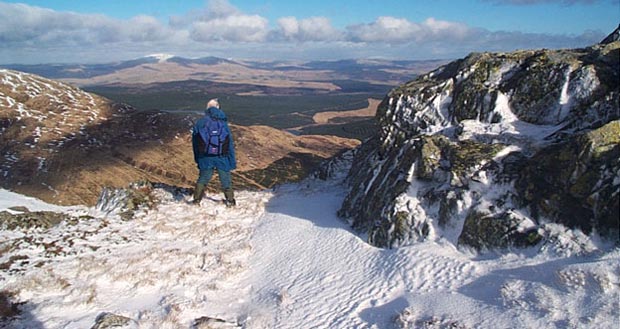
{"x": 215, "y": 137}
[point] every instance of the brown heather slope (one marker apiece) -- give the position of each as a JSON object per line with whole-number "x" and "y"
{"x": 63, "y": 145}
{"x": 369, "y": 111}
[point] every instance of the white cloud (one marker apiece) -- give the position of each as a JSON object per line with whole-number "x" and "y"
{"x": 236, "y": 28}
{"x": 289, "y": 27}
{"x": 146, "y": 28}
{"x": 384, "y": 29}
{"x": 317, "y": 29}
{"x": 215, "y": 9}
{"x": 220, "y": 21}
{"x": 313, "y": 29}
{"x": 23, "y": 24}
{"x": 34, "y": 34}
{"x": 392, "y": 29}
{"x": 221, "y": 9}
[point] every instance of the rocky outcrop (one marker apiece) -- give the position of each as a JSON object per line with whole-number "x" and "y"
{"x": 22, "y": 218}
{"x": 126, "y": 201}
{"x": 207, "y": 322}
{"x": 612, "y": 37}
{"x": 486, "y": 150}
{"x": 109, "y": 320}
{"x": 576, "y": 183}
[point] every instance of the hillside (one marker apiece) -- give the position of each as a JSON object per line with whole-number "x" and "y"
{"x": 64, "y": 145}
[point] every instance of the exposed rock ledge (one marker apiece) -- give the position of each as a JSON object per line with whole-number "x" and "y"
{"x": 493, "y": 150}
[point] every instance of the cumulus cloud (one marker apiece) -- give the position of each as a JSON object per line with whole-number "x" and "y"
{"x": 221, "y": 21}
{"x": 307, "y": 30}
{"x": 392, "y": 29}
{"x": 21, "y": 23}
{"x": 215, "y": 9}
{"x": 289, "y": 27}
{"x": 385, "y": 29}
{"x": 220, "y": 29}
{"x": 236, "y": 28}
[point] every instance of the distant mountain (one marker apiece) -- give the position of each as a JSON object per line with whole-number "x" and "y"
{"x": 163, "y": 68}
{"x": 202, "y": 61}
{"x": 64, "y": 145}
{"x": 495, "y": 150}
{"x": 79, "y": 71}
{"x": 86, "y": 71}
{"x": 358, "y": 64}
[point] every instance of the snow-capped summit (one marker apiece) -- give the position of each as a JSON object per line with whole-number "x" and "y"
{"x": 161, "y": 57}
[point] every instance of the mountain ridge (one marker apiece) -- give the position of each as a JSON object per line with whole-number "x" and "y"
{"x": 316, "y": 75}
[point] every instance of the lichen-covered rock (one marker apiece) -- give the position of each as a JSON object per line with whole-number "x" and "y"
{"x": 447, "y": 165}
{"x": 207, "y": 322}
{"x": 463, "y": 146}
{"x": 42, "y": 219}
{"x": 26, "y": 219}
{"x": 484, "y": 231}
{"x": 109, "y": 321}
{"x": 385, "y": 179}
{"x": 577, "y": 183}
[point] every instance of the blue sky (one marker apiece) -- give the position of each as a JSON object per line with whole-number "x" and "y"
{"x": 35, "y": 31}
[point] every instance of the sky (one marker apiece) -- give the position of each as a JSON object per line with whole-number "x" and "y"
{"x": 93, "y": 31}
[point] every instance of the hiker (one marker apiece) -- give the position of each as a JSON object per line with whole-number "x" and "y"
{"x": 213, "y": 149}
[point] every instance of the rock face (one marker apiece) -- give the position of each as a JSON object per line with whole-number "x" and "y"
{"x": 614, "y": 36}
{"x": 488, "y": 150}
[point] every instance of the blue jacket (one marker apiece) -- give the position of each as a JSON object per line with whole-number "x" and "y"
{"x": 226, "y": 162}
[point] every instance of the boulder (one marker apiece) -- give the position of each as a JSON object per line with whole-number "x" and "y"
{"x": 109, "y": 320}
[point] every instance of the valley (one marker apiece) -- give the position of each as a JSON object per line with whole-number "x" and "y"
{"x": 282, "y": 95}
{"x": 130, "y": 121}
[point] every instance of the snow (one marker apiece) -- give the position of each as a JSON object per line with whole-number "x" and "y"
{"x": 282, "y": 259}
{"x": 510, "y": 129}
{"x": 10, "y": 199}
{"x": 565, "y": 99}
{"x": 161, "y": 57}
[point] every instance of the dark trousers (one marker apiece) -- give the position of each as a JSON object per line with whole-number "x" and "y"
{"x": 206, "y": 174}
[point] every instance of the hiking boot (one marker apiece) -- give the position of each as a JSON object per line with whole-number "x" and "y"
{"x": 230, "y": 203}
{"x": 230, "y": 198}
{"x": 198, "y": 193}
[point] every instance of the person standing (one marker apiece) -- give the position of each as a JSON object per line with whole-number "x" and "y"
{"x": 214, "y": 149}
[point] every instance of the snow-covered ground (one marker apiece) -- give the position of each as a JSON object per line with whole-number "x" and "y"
{"x": 282, "y": 259}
